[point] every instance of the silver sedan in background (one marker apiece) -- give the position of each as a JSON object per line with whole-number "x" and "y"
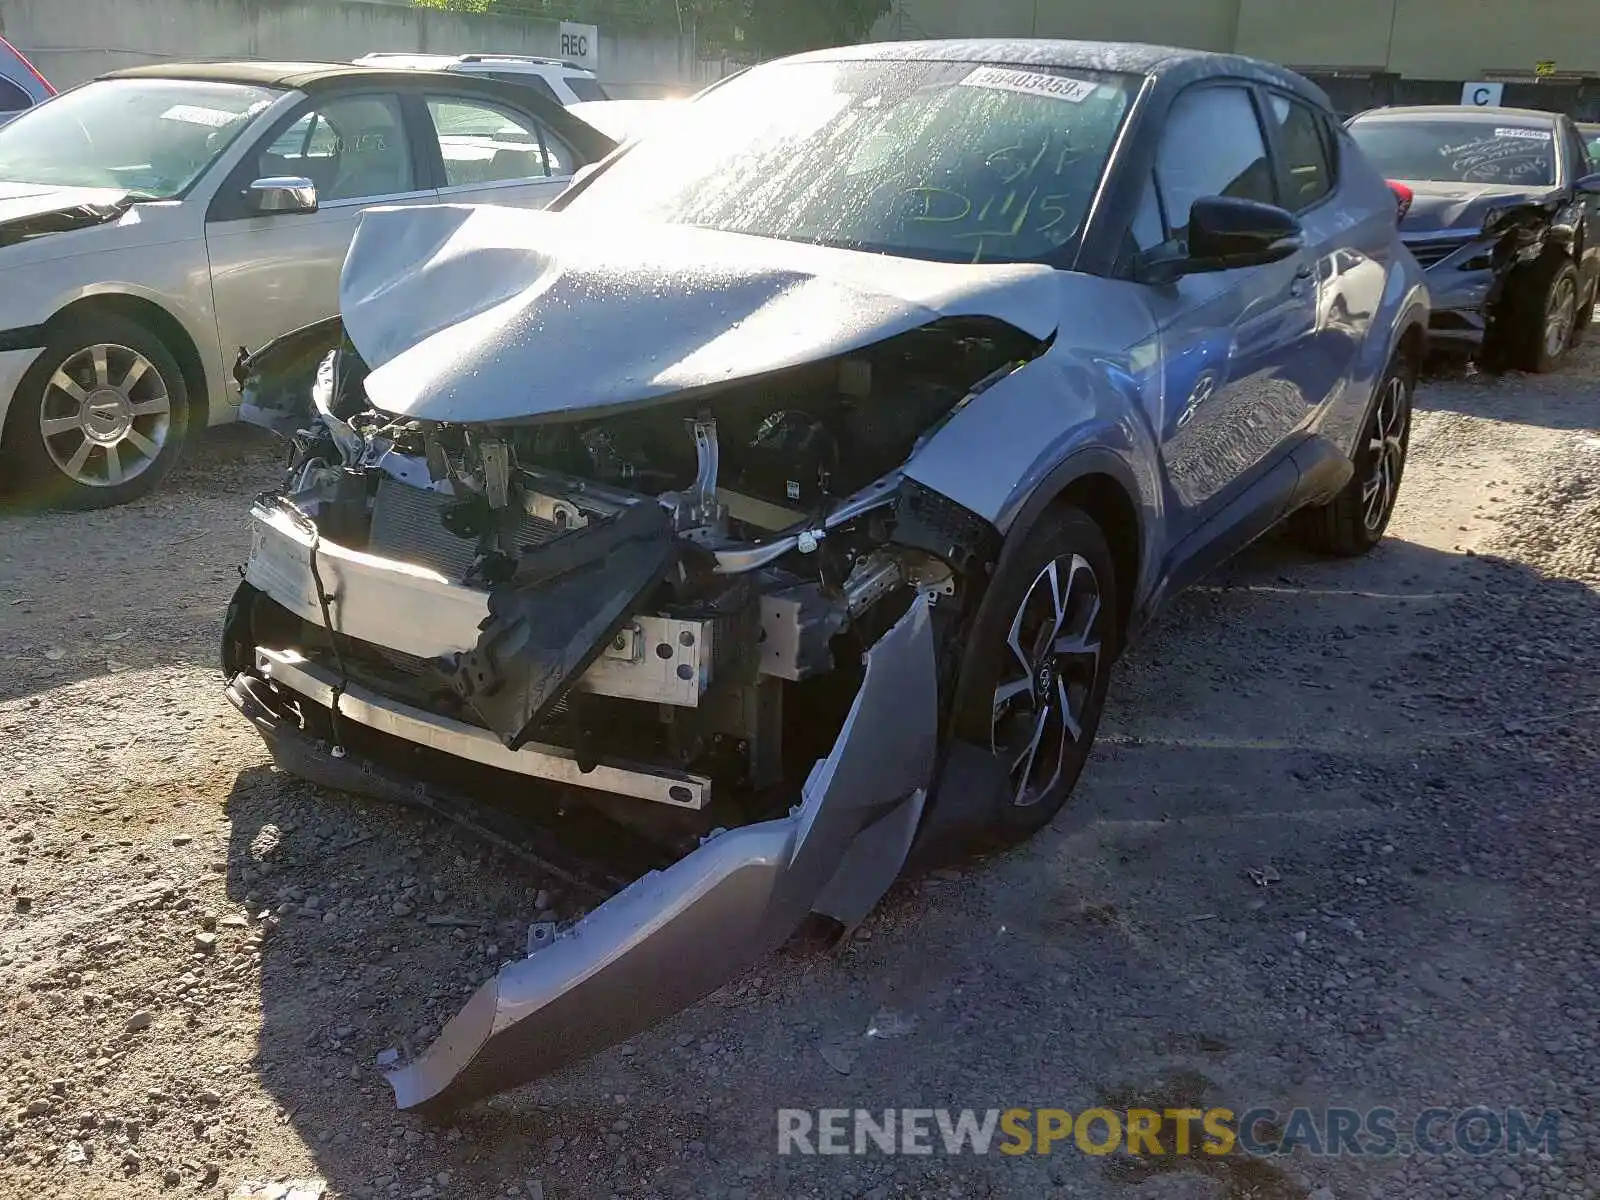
{"x": 155, "y": 222}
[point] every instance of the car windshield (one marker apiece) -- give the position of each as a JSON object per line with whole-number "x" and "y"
{"x": 150, "y": 137}
{"x": 953, "y": 162}
{"x": 1489, "y": 152}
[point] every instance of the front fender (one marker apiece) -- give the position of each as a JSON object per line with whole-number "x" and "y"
{"x": 1022, "y": 442}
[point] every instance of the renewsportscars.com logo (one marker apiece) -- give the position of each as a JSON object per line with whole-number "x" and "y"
{"x": 1261, "y": 1132}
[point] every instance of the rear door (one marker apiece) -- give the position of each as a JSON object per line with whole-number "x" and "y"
{"x": 491, "y": 153}
{"x": 276, "y": 272}
{"x": 1232, "y": 399}
{"x": 1344, "y": 292}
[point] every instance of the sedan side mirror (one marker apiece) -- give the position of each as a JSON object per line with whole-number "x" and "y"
{"x": 287, "y": 194}
{"x": 1589, "y": 185}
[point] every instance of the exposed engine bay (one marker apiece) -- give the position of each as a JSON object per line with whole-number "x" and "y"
{"x": 669, "y": 604}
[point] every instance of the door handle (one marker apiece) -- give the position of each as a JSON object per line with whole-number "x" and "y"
{"x": 1301, "y": 278}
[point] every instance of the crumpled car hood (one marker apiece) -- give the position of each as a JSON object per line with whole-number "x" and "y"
{"x": 31, "y": 210}
{"x": 1463, "y": 207}
{"x": 480, "y": 314}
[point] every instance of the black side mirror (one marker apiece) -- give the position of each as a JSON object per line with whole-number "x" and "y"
{"x": 1226, "y": 233}
{"x": 1589, "y": 185}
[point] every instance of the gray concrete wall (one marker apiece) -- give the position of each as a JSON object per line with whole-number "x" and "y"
{"x": 74, "y": 40}
{"x": 1419, "y": 39}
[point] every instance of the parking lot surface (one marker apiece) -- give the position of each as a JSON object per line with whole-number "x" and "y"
{"x": 1336, "y": 848}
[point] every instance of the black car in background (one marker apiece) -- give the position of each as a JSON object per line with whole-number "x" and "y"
{"x": 1500, "y": 207}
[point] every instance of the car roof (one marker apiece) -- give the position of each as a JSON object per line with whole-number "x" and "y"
{"x": 314, "y": 77}
{"x": 1175, "y": 64}
{"x": 306, "y": 76}
{"x": 1466, "y": 112}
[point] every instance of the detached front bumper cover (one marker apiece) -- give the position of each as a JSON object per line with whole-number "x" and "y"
{"x": 676, "y": 935}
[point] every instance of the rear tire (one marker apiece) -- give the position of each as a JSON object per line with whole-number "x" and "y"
{"x": 1039, "y": 654}
{"x": 99, "y": 418}
{"x": 1353, "y": 522}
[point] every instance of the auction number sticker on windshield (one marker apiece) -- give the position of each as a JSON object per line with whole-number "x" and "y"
{"x": 1031, "y": 83}
{"x": 194, "y": 114}
{"x": 1529, "y": 135}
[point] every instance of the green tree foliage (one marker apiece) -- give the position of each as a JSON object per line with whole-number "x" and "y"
{"x": 475, "y": 6}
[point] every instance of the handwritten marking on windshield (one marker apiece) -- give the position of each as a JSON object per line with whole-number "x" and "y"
{"x": 1498, "y": 159}
{"x": 1028, "y": 198}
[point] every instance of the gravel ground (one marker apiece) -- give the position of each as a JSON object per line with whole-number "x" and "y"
{"x": 1336, "y": 848}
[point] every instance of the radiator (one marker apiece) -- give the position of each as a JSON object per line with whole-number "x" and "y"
{"x": 407, "y": 525}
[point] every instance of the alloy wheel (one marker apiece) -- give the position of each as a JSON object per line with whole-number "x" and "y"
{"x": 1049, "y": 676}
{"x": 105, "y": 416}
{"x": 1560, "y": 315}
{"x": 1386, "y": 451}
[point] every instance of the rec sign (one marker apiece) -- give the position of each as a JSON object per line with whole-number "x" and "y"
{"x": 580, "y": 44}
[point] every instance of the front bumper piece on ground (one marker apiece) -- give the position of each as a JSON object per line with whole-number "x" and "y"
{"x": 676, "y": 935}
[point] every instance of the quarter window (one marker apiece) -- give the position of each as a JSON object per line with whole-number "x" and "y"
{"x": 1148, "y": 229}
{"x": 1212, "y": 147}
{"x": 534, "y": 83}
{"x": 1305, "y": 174}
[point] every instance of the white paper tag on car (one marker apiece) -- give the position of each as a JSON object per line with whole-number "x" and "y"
{"x": 194, "y": 114}
{"x": 1531, "y": 135}
{"x": 1032, "y": 83}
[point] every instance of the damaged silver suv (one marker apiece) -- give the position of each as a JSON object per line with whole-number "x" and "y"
{"x": 774, "y": 507}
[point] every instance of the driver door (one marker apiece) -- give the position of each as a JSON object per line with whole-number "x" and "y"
{"x": 1230, "y": 339}
{"x": 276, "y": 272}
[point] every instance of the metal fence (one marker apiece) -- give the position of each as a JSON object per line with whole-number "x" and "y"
{"x": 1353, "y": 92}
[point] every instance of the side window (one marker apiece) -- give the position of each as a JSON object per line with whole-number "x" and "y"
{"x": 1212, "y": 146}
{"x": 482, "y": 144}
{"x": 13, "y": 98}
{"x": 1305, "y": 174}
{"x": 1576, "y": 150}
{"x": 352, "y": 148}
{"x": 585, "y": 88}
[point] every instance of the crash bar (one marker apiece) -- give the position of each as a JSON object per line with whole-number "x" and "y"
{"x": 552, "y": 763}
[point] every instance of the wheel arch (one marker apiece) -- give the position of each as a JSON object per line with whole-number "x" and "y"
{"x": 161, "y": 324}
{"x": 1100, "y": 484}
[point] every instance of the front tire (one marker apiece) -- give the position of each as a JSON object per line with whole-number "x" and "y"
{"x": 1354, "y": 521}
{"x": 1039, "y": 656}
{"x": 99, "y": 418}
{"x": 1540, "y": 314}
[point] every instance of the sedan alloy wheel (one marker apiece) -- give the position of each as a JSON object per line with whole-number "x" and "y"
{"x": 105, "y": 416}
{"x": 1049, "y": 677}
